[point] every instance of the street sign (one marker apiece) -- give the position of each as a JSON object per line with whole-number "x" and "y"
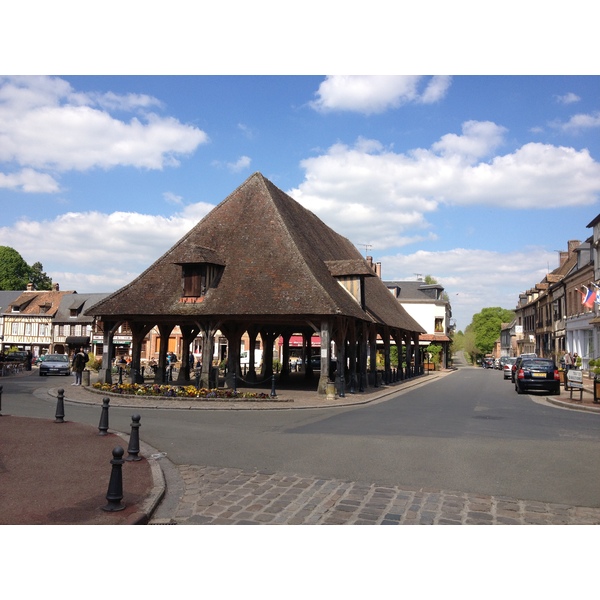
{"x": 575, "y": 378}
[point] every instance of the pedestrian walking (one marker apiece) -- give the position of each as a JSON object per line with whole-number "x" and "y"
{"x": 79, "y": 361}
{"x": 568, "y": 361}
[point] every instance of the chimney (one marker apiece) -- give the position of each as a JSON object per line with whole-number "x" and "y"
{"x": 378, "y": 269}
{"x": 55, "y": 287}
{"x": 369, "y": 260}
{"x": 572, "y": 246}
{"x": 564, "y": 256}
{"x": 30, "y": 287}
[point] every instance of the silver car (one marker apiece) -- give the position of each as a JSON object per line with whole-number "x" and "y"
{"x": 55, "y": 364}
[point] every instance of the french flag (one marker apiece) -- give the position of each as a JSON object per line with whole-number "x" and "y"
{"x": 588, "y": 297}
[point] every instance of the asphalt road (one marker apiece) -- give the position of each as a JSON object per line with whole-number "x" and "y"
{"x": 468, "y": 431}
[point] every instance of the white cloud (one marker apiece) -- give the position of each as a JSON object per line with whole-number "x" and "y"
{"x": 376, "y": 93}
{"x": 243, "y": 162}
{"x": 484, "y": 278}
{"x": 350, "y": 187}
{"x": 93, "y": 251}
{"x": 29, "y": 180}
{"x": 568, "y": 98}
{"x": 173, "y": 198}
{"x": 46, "y": 125}
{"x": 247, "y": 131}
{"x": 478, "y": 140}
{"x": 578, "y": 123}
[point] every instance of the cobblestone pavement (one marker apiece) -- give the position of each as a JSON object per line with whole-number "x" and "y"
{"x": 224, "y": 496}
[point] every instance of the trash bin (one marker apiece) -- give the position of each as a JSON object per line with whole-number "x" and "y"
{"x": 85, "y": 378}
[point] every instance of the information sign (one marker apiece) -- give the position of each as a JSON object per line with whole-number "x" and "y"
{"x": 575, "y": 378}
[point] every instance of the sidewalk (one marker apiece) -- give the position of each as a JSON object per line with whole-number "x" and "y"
{"x": 43, "y": 484}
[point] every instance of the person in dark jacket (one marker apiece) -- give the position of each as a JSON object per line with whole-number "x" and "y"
{"x": 79, "y": 361}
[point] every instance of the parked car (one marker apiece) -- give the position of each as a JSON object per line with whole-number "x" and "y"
{"x": 518, "y": 363}
{"x": 55, "y": 364}
{"x": 487, "y": 363}
{"x": 17, "y": 356}
{"x": 508, "y": 365}
{"x": 537, "y": 374}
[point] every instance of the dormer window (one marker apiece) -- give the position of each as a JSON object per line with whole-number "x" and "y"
{"x": 350, "y": 274}
{"x": 201, "y": 270}
{"x": 198, "y": 278}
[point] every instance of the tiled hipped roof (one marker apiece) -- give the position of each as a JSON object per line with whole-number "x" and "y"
{"x": 279, "y": 259}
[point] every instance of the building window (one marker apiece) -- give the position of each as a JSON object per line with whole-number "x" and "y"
{"x": 439, "y": 325}
{"x": 198, "y": 278}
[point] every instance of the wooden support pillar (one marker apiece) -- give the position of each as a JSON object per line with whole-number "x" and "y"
{"x": 252, "y": 334}
{"x": 108, "y": 350}
{"x": 363, "y": 349}
{"x": 164, "y": 330}
{"x": 233, "y": 333}
{"x": 307, "y": 354}
{"x": 188, "y": 335}
{"x": 268, "y": 339}
{"x": 408, "y": 355}
{"x": 352, "y": 358}
{"x": 340, "y": 337}
{"x": 397, "y": 335}
{"x": 208, "y": 345}
{"x": 417, "y": 351}
{"x": 373, "y": 353}
{"x": 139, "y": 331}
{"x": 325, "y": 356}
{"x": 386, "y": 355}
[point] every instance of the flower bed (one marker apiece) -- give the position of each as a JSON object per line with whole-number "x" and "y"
{"x": 177, "y": 391}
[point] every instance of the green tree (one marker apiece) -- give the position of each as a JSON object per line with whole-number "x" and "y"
{"x": 15, "y": 273}
{"x": 458, "y": 341}
{"x": 40, "y": 280}
{"x": 486, "y": 327}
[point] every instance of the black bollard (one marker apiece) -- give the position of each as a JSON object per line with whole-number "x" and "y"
{"x": 273, "y": 393}
{"x": 103, "y": 426}
{"x": 235, "y": 383}
{"x": 115, "y": 485}
{"x": 133, "y": 449}
{"x": 197, "y": 379}
{"x": 60, "y": 407}
{"x": 342, "y": 393}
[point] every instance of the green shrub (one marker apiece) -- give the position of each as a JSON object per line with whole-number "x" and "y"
{"x": 94, "y": 364}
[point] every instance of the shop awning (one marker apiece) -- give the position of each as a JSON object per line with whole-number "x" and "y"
{"x": 75, "y": 340}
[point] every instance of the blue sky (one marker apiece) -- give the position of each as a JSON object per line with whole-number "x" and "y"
{"x": 477, "y": 180}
